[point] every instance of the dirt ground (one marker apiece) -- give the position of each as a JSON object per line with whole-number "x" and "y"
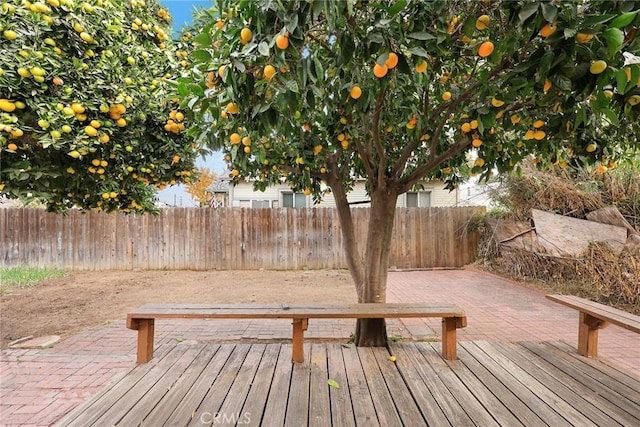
{"x": 66, "y": 305}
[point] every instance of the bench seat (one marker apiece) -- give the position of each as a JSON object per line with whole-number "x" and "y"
{"x": 142, "y": 319}
{"x": 595, "y": 316}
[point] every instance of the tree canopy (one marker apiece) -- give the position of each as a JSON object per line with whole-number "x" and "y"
{"x": 405, "y": 89}
{"x": 87, "y": 116}
{"x": 321, "y": 93}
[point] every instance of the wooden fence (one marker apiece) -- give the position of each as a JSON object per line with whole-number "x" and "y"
{"x": 231, "y": 238}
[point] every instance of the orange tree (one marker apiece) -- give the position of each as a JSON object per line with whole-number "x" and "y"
{"x": 321, "y": 92}
{"x": 87, "y": 116}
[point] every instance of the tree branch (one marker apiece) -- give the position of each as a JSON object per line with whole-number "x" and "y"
{"x": 458, "y": 147}
{"x": 382, "y": 155}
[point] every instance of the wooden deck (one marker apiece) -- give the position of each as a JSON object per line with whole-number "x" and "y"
{"x": 491, "y": 384}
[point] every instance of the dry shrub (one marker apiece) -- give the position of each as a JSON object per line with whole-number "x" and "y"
{"x": 551, "y": 191}
{"x": 599, "y": 274}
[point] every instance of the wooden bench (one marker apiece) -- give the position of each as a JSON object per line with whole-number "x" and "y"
{"x": 142, "y": 319}
{"x": 594, "y": 316}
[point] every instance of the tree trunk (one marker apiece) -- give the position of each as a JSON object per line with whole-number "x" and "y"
{"x": 368, "y": 268}
{"x": 373, "y": 332}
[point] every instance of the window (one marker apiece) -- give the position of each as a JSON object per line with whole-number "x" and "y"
{"x": 418, "y": 199}
{"x": 294, "y": 200}
{"x": 260, "y": 204}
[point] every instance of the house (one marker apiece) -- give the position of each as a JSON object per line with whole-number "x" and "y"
{"x": 225, "y": 193}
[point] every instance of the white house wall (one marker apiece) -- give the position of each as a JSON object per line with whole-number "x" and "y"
{"x": 242, "y": 194}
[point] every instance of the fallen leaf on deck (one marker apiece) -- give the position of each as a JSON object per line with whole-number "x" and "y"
{"x": 333, "y": 383}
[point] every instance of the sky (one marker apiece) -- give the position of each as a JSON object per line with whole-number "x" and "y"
{"x": 180, "y": 11}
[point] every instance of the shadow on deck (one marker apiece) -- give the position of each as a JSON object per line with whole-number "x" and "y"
{"x": 492, "y": 383}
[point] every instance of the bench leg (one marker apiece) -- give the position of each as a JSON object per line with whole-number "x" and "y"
{"x": 588, "y": 334}
{"x": 299, "y": 326}
{"x": 449, "y": 342}
{"x": 145, "y": 339}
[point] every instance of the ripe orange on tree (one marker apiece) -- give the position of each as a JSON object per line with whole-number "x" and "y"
{"x": 269, "y": 72}
{"x": 355, "y": 92}
{"x": 282, "y": 42}
{"x": 486, "y": 49}
{"x": 380, "y": 70}
{"x": 392, "y": 60}
{"x": 547, "y": 30}
{"x": 421, "y": 66}
{"x": 245, "y": 35}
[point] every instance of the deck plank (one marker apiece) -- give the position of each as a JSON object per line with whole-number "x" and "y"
{"x": 257, "y": 384}
{"x": 214, "y": 398}
{"x": 342, "y": 411}
{"x": 233, "y": 403}
{"x": 152, "y": 387}
{"x": 405, "y": 405}
{"x": 531, "y": 381}
{"x": 298, "y": 405}
{"x": 276, "y": 409}
{"x": 480, "y": 386}
{"x": 256, "y": 402}
{"x": 179, "y": 390}
{"x": 430, "y": 409}
{"x": 446, "y": 401}
{"x": 511, "y": 380}
{"x": 516, "y": 407}
{"x": 138, "y": 411}
{"x": 627, "y": 379}
{"x": 319, "y": 403}
{"x": 363, "y": 406}
{"x": 565, "y": 386}
{"x": 473, "y": 408}
{"x": 380, "y": 395}
{"x": 596, "y": 380}
{"x": 110, "y": 408}
{"x": 189, "y": 404}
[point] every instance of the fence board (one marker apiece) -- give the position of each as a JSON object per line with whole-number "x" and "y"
{"x": 228, "y": 238}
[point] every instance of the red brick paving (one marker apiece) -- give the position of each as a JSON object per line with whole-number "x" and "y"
{"x": 37, "y": 387}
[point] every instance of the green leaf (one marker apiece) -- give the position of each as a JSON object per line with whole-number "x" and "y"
{"x": 202, "y": 39}
{"x": 238, "y": 66}
{"x": 528, "y": 11}
{"x": 418, "y": 51}
{"x": 397, "y": 7}
{"x": 545, "y": 63}
{"x": 292, "y": 85}
{"x": 196, "y": 89}
{"x": 623, "y": 20}
{"x": 613, "y": 118}
{"x": 469, "y": 26}
{"x": 263, "y": 49}
{"x": 598, "y": 19}
{"x": 421, "y": 36}
{"x": 201, "y": 55}
{"x": 292, "y": 22}
{"x": 333, "y": 383}
{"x": 581, "y": 118}
{"x": 549, "y": 11}
{"x": 621, "y": 80}
{"x": 561, "y": 81}
{"x": 319, "y": 70}
{"x": 614, "y": 38}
